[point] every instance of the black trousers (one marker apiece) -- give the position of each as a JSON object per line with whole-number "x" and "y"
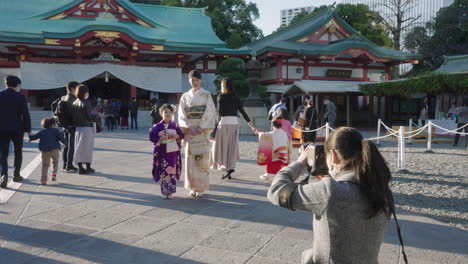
{"x": 134, "y": 118}
{"x": 69, "y": 150}
{"x": 457, "y": 136}
{"x": 5, "y": 139}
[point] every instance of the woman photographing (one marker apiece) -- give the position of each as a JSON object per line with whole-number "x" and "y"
{"x": 351, "y": 207}
{"x": 225, "y": 152}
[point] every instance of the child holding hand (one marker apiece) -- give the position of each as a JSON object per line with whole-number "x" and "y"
{"x": 49, "y": 145}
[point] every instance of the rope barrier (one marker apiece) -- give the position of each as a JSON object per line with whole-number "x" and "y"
{"x": 451, "y": 131}
{"x": 308, "y": 131}
{"x": 408, "y": 137}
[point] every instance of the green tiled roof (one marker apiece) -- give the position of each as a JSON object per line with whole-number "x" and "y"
{"x": 285, "y": 40}
{"x": 454, "y": 64}
{"x": 23, "y": 21}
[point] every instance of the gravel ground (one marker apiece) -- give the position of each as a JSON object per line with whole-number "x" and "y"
{"x": 436, "y": 187}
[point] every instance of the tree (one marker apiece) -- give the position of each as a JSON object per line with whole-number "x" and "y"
{"x": 450, "y": 37}
{"x": 416, "y": 38}
{"x": 397, "y": 20}
{"x": 234, "y": 69}
{"x": 366, "y": 21}
{"x": 360, "y": 17}
{"x": 232, "y": 20}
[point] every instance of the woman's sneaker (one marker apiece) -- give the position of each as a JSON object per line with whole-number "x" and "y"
{"x": 265, "y": 177}
{"x": 193, "y": 193}
{"x": 53, "y": 176}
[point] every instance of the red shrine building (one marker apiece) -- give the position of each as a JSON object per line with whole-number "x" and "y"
{"x": 119, "y": 49}
{"x": 324, "y": 56}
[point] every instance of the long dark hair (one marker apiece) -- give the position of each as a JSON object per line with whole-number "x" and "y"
{"x": 283, "y": 114}
{"x": 229, "y": 85}
{"x": 371, "y": 170}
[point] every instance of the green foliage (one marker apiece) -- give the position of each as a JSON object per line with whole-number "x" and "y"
{"x": 233, "y": 68}
{"x": 450, "y": 37}
{"x": 359, "y": 17}
{"x": 232, "y": 20}
{"x": 433, "y": 83}
{"x": 366, "y": 21}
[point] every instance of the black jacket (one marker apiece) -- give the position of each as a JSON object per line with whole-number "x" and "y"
{"x": 14, "y": 112}
{"x": 82, "y": 112}
{"x": 229, "y": 104}
{"x": 49, "y": 139}
{"x": 70, "y": 99}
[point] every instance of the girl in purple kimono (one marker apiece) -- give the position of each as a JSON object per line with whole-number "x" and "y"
{"x": 166, "y": 137}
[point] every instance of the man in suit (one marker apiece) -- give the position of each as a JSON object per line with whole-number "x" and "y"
{"x": 14, "y": 121}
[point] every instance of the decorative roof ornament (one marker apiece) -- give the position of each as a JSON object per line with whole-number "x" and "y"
{"x": 106, "y": 56}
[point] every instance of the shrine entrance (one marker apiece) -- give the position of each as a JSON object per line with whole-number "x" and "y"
{"x": 106, "y": 86}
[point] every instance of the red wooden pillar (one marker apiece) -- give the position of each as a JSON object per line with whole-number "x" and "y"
{"x": 364, "y": 73}
{"x": 305, "y": 70}
{"x": 279, "y": 69}
{"x": 387, "y": 72}
{"x": 133, "y": 92}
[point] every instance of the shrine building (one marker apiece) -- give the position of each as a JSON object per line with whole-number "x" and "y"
{"x": 325, "y": 56}
{"x": 119, "y": 49}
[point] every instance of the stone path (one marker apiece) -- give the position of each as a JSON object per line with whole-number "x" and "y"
{"x": 117, "y": 216}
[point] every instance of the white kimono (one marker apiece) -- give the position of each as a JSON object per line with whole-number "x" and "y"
{"x": 197, "y": 109}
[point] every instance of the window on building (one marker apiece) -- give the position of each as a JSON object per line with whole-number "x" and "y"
{"x": 290, "y": 12}
{"x": 283, "y": 12}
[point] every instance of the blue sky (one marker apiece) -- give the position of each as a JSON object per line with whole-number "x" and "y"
{"x": 270, "y": 11}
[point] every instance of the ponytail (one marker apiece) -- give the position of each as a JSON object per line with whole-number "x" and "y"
{"x": 369, "y": 166}
{"x": 374, "y": 177}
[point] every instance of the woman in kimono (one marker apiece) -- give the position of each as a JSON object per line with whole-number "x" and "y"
{"x": 167, "y": 164}
{"x": 196, "y": 118}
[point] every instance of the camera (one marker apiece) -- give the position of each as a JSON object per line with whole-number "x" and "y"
{"x": 316, "y": 159}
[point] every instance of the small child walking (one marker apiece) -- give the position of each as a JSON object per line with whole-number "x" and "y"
{"x": 273, "y": 150}
{"x": 49, "y": 145}
{"x": 167, "y": 162}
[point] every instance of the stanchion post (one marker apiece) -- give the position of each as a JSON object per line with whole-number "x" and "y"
{"x": 402, "y": 151}
{"x": 378, "y": 132}
{"x": 327, "y": 130}
{"x": 410, "y": 130}
{"x": 429, "y": 138}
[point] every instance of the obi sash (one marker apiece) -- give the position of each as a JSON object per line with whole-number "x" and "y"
{"x": 195, "y": 112}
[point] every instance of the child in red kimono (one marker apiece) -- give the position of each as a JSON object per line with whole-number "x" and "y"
{"x": 166, "y": 137}
{"x": 273, "y": 150}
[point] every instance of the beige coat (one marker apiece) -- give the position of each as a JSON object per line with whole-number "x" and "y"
{"x": 343, "y": 233}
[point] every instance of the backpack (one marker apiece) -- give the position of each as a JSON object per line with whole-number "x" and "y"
{"x": 60, "y": 111}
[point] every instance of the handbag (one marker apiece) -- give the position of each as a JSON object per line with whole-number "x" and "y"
{"x": 97, "y": 127}
{"x": 171, "y": 144}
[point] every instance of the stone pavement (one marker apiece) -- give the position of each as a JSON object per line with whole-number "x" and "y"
{"x": 117, "y": 216}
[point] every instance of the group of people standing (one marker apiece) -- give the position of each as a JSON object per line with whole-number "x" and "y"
{"x": 196, "y": 121}
{"x": 116, "y": 114}
{"x": 74, "y": 114}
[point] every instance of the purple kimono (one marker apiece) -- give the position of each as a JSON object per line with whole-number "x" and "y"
{"x": 166, "y": 166}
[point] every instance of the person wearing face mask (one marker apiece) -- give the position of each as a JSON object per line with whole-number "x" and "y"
{"x": 83, "y": 118}
{"x": 351, "y": 206}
